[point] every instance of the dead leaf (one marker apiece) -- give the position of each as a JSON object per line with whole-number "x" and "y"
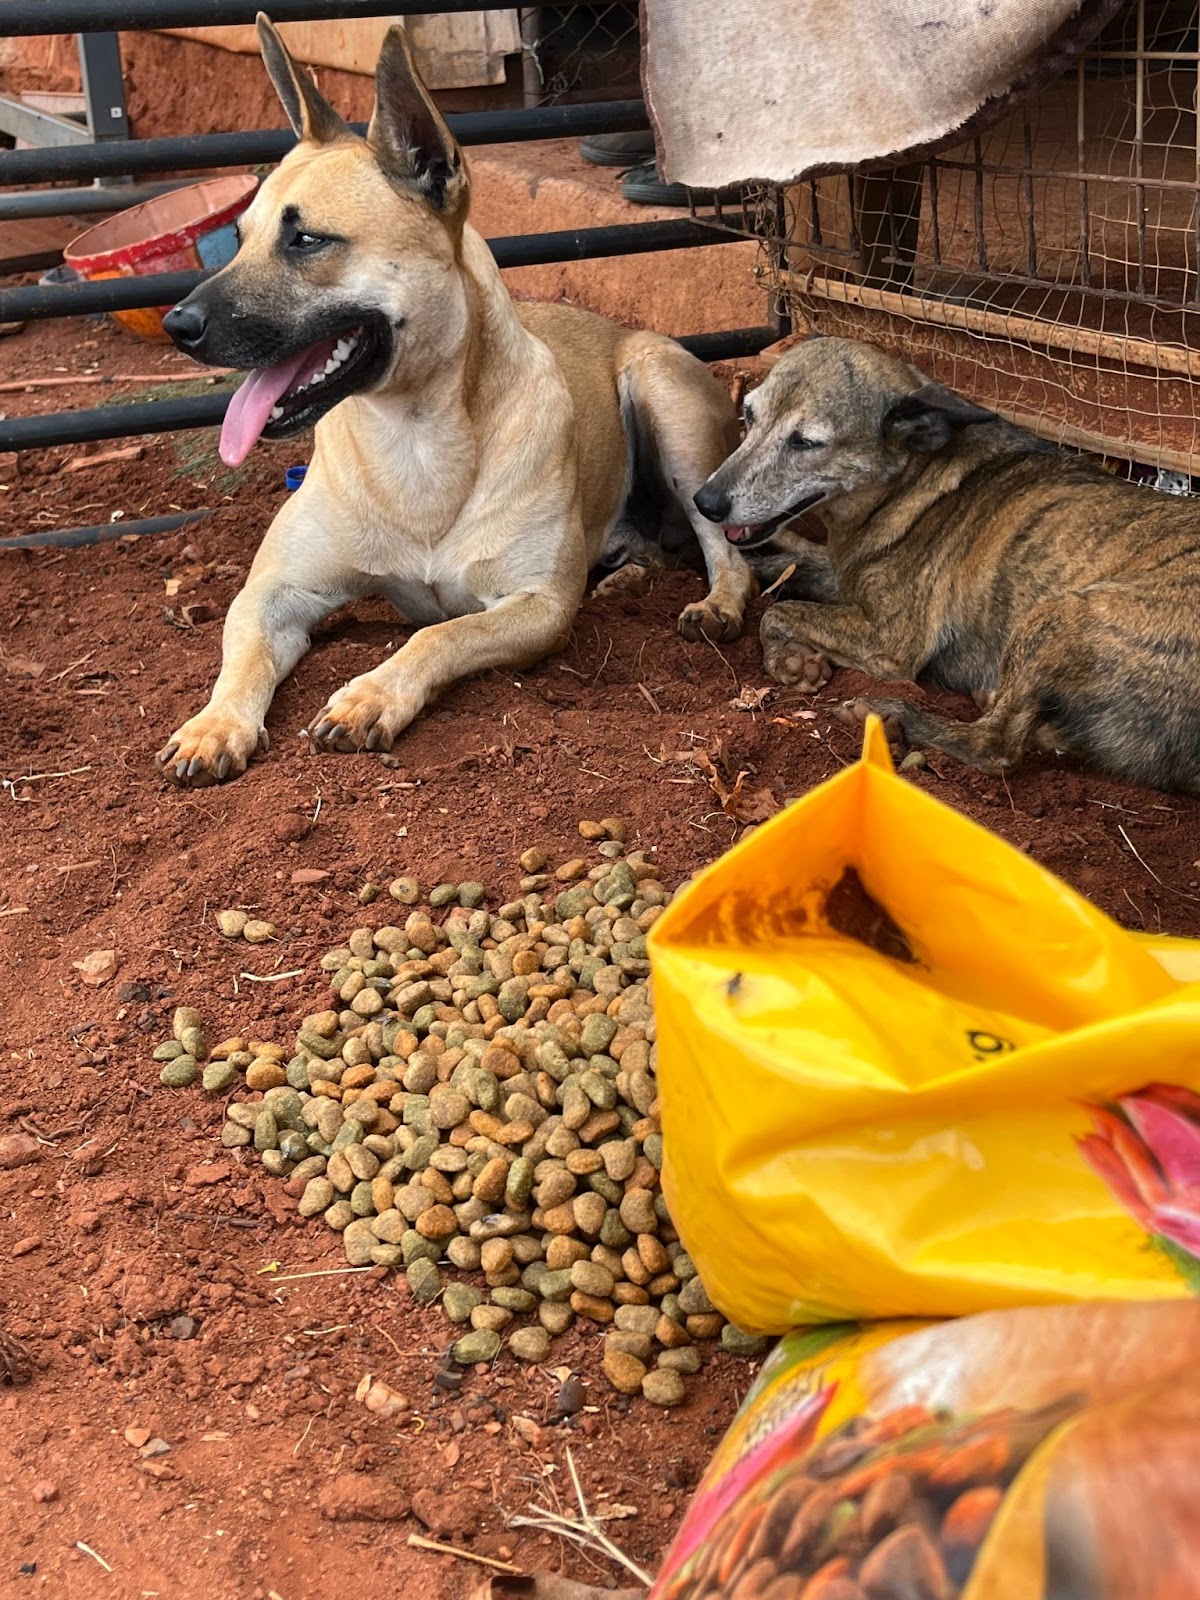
{"x": 23, "y": 667}
{"x": 742, "y": 804}
{"x": 751, "y": 699}
{"x": 97, "y": 967}
{"x": 185, "y": 580}
{"x": 546, "y": 1586}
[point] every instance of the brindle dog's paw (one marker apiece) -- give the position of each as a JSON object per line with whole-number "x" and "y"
{"x": 854, "y": 714}
{"x": 213, "y": 746}
{"x": 708, "y": 620}
{"x": 797, "y": 665}
{"x": 631, "y": 579}
{"x": 364, "y": 715}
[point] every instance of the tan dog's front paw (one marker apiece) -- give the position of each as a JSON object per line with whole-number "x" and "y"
{"x": 212, "y": 746}
{"x": 708, "y": 620}
{"x": 797, "y": 665}
{"x": 364, "y": 715}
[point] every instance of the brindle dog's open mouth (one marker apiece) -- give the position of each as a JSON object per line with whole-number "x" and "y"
{"x": 747, "y": 535}
{"x": 294, "y": 393}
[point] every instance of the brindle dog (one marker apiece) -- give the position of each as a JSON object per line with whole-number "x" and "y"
{"x": 968, "y": 552}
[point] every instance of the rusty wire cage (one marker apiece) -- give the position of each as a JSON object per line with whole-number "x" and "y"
{"x": 1049, "y": 268}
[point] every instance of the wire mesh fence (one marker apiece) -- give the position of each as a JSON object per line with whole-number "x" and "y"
{"x": 582, "y": 52}
{"x": 1049, "y": 268}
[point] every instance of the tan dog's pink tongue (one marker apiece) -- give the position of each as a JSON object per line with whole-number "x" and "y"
{"x": 250, "y": 408}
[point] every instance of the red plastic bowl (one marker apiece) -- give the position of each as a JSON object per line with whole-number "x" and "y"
{"x": 187, "y": 229}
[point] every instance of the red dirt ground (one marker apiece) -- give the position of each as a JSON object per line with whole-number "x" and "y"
{"x": 133, "y": 1216}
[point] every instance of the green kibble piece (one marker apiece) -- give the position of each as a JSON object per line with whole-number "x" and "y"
{"x": 178, "y": 1074}
{"x": 219, "y": 1076}
{"x": 424, "y": 1280}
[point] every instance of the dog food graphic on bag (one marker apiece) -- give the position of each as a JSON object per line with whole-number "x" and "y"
{"x": 1051, "y": 1453}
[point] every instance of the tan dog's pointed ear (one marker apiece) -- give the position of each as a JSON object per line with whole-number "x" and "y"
{"x": 409, "y": 135}
{"x": 310, "y": 114}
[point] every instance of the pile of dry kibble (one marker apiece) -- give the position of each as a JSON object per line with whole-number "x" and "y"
{"x": 479, "y": 1100}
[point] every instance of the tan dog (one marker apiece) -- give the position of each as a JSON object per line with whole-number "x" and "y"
{"x": 473, "y": 459}
{"x": 967, "y": 551}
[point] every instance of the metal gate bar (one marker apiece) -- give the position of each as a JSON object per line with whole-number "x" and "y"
{"x": 191, "y": 152}
{"x": 26, "y": 17}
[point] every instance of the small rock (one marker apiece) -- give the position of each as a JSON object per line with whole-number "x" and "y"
{"x": 443, "y": 894}
{"x": 614, "y": 828}
{"x": 17, "y": 1150}
{"x": 97, "y": 968}
{"x": 482, "y": 1344}
{"x": 532, "y": 860}
{"x": 137, "y": 1437}
{"x": 182, "y": 1328}
{"x": 914, "y": 761}
{"x": 305, "y": 876}
{"x": 471, "y": 895}
{"x": 406, "y": 890}
{"x": 571, "y": 1397}
{"x": 662, "y": 1387}
{"x": 45, "y": 1491}
{"x": 258, "y": 932}
{"x": 592, "y": 830}
{"x": 232, "y": 923}
{"x": 530, "y": 1344}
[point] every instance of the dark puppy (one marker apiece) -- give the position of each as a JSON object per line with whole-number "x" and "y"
{"x": 967, "y": 551}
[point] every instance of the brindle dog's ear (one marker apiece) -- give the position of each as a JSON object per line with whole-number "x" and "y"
{"x": 927, "y": 420}
{"x": 409, "y": 136}
{"x": 310, "y": 114}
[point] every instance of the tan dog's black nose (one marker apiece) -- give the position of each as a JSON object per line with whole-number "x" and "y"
{"x": 187, "y": 324}
{"x": 712, "y": 503}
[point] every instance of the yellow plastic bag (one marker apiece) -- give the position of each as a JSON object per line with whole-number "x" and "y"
{"x": 1009, "y": 1456}
{"x": 990, "y": 1114}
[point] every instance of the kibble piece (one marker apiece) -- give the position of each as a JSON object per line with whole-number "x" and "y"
{"x": 530, "y": 1344}
{"x": 232, "y": 923}
{"x": 624, "y": 1371}
{"x": 592, "y": 1279}
{"x": 662, "y": 1387}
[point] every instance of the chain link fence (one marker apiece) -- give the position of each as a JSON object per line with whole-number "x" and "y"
{"x": 582, "y": 52}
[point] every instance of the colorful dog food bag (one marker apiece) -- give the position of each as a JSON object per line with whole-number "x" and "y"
{"x": 907, "y": 1072}
{"x": 1051, "y": 1453}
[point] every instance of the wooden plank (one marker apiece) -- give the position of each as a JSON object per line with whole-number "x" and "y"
{"x": 452, "y": 52}
{"x": 1008, "y": 325}
{"x": 35, "y": 244}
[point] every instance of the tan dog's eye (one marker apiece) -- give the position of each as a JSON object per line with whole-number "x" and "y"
{"x": 797, "y": 441}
